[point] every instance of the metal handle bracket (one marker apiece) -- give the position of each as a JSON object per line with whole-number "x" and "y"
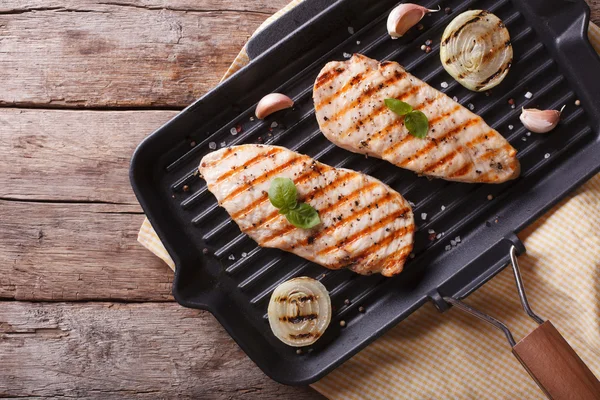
{"x": 493, "y": 321}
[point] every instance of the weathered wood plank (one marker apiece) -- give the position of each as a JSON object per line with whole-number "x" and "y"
{"x": 125, "y": 53}
{"x": 88, "y": 53}
{"x": 595, "y": 7}
{"x": 77, "y": 252}
{"x": 88, "y": 251}
{"x": 71, "y": 155}
{"x": 107, "y": 350}
{"x": 267, "y": 7}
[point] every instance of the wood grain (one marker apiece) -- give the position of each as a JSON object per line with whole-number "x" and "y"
{"x": 555, "y": 366}
{"x": 72, "y": 53}
{"x": 77, "y": 252}
{"x": 68, "y": 218}
{"x": 63, "y": 155}
{"x": 129, "y": 54}
{"x": 595, "y": 8}
{"x": 107, "y": 350}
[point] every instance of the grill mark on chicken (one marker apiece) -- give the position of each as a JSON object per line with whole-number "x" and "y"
{"x": 280, "y": 233}
{"x": 328, "y": 76}
{"x": 247, "y": 164}
{"x": 397, "y": 258}
{"x": 492, "y": 153}
{"x": 465, "y": 169}
{"x": 315, "y": 193}
{"x": 433, "y": 143}
{"x": 478, "y": 140}
{"x": 408, "y": 137}
{"x": 350, "y": 217}
{"x": 441, "y": 162}
{"x": 365, "y": 94}
{"x": 333, "y": 184}
{"x": 488, "y": 176}
{"x": 270, "y": 218}
{"x": 348, "y": 198}
{"x": 403, "y": 96}
{"x": 330, "y": 209}
{"x": 512, "y": 165}
{"x": 400, "y": 122}
{"x": 356, "y": 79}
{"x": 226, "y": 155}
{"x": 340, "y": 194}
{"x": 301, "y": 179}
{"x": 387, "y": 129}
{"x": 365, "y": 129}
{"x": 263, "y": 177}
{"x": 380, "y": 110}
{"x": 322, "y": 212}
{"x": 306, "y": 176}
{"x": 445, "y": 115}
{"x": 370, "y": 229}
{"x": 384, "y": 108}
{"x": 376, "y": 247}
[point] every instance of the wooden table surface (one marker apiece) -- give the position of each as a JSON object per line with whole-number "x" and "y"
{"x": 86, "y": 311}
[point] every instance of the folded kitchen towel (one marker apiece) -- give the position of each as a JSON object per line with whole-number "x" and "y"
{"x": 432, "y": 355}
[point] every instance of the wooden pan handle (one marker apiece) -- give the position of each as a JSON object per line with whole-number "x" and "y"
{"x": 555, "y": 366}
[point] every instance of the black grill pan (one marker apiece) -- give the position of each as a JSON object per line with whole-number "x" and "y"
{"x": 553, "y": 60}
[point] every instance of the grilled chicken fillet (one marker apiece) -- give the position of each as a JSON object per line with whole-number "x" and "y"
{"x": 349, "y": 102}
{"x": 365, "y": 225}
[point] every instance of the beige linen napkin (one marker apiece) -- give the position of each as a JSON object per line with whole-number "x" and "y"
{"x": 454, "y": 356}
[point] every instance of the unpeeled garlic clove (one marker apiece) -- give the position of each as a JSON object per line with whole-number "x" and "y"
{"x": 272, "y": 103}
{"x": 540, "y": 121}
{"x": 404, "y": 17}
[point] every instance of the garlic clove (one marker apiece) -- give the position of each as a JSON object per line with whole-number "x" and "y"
{"x": 271, "y": 103}
{"x": 404, "y": 17}
{"x": 540, "y": 121}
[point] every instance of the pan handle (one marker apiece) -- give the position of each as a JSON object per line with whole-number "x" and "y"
{"x": 555, "y": 366}
{"x": 548, "y": 358}
{"x": 544, "y": 353}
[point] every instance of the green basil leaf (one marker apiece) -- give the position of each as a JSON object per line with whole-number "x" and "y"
{"x": 303, "y": 216}
{"x": 397, "y": 106}
{"x": 283, "y": 193}
{"x": 284, "y": 210}
{"x": 417, "y": 124}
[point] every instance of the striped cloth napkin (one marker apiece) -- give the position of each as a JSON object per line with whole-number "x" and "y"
{"x": 432, "y": 355}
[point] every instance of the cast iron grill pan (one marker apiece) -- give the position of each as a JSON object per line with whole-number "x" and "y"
{"x": 224, "y": 271}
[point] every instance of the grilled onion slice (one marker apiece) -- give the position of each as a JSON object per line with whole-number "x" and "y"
{"x": 476, "y": 50}
{"x": 299, "y": 311}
